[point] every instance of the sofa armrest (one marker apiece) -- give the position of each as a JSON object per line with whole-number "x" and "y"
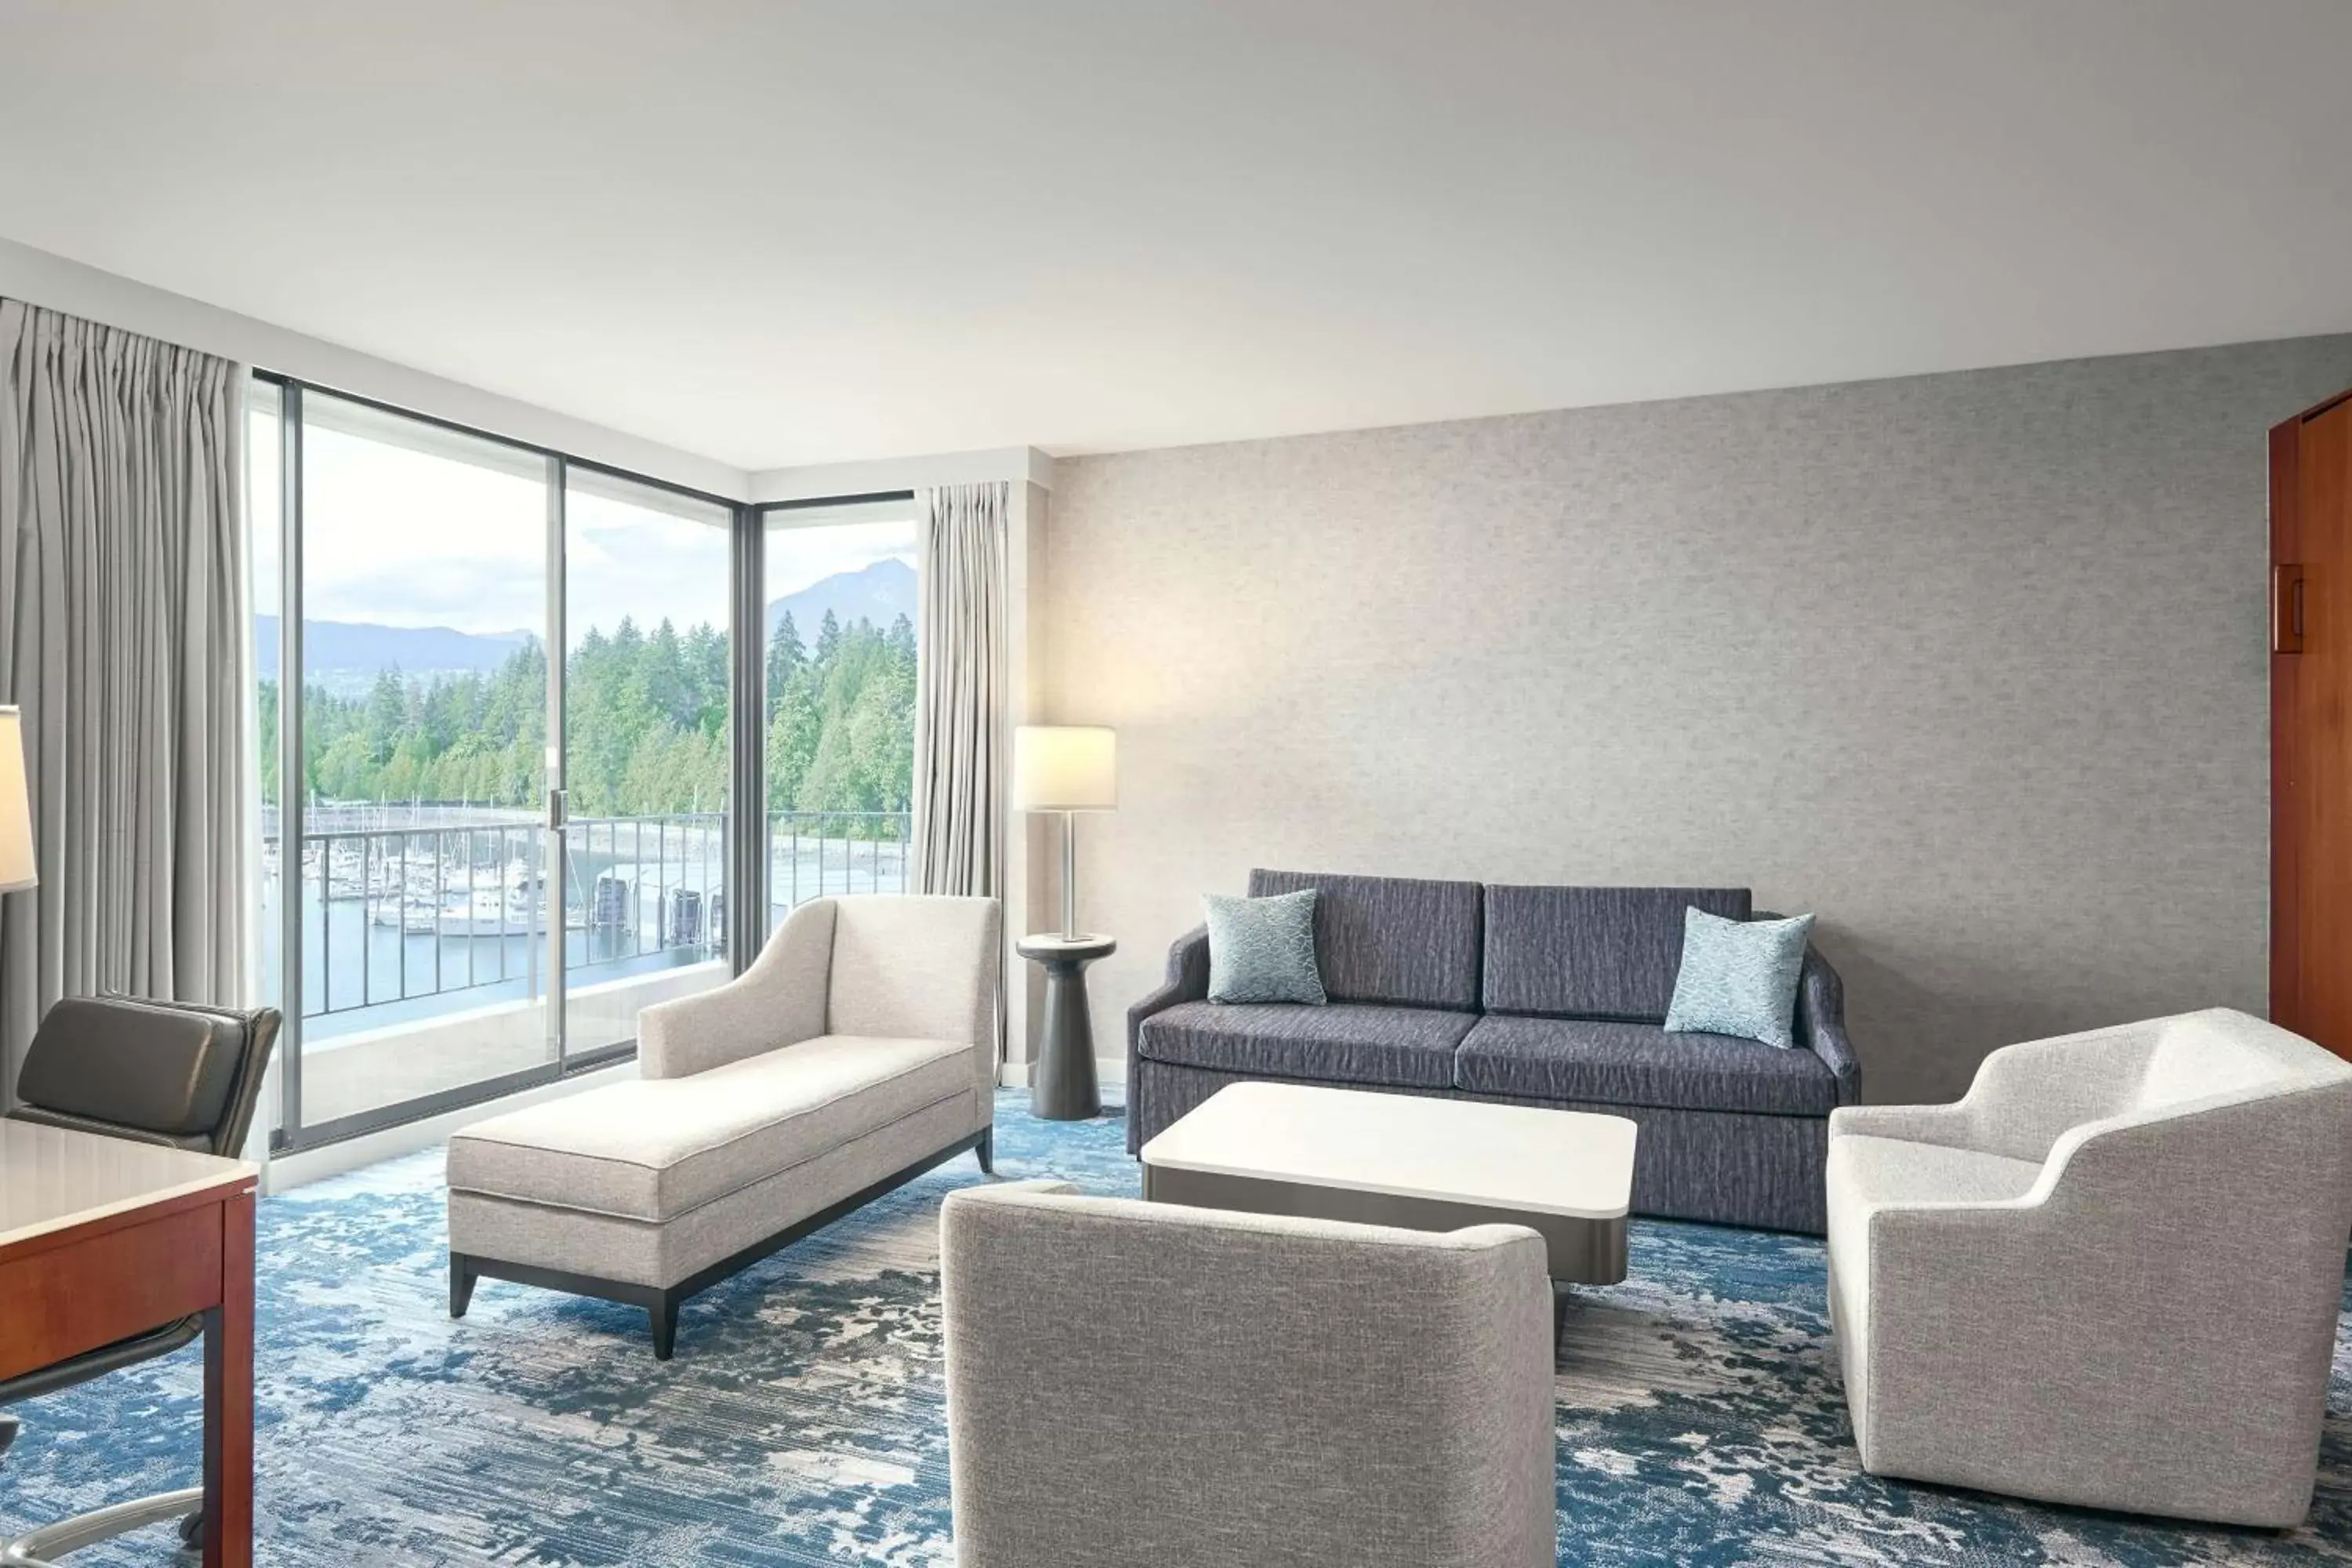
{"x": 1820, "y": 1024}
{"x": 1187, "y": 980}
{"x": 780, "y": 1001}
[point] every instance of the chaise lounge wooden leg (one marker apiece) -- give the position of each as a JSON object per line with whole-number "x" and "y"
{"x": 986, "y": 1150}
{"x": 461, "y": 1283}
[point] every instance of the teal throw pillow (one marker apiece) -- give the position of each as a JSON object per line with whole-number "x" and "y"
{"x": 1263, "y": 950}
{"x": 1739, "y": 977}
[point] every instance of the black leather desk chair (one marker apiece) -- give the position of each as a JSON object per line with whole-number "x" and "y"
{"x": 156, "y": 1072}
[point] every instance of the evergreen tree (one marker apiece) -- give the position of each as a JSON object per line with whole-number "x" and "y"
{"x": 786, "y": 659}
{"x": 646, "y": 716}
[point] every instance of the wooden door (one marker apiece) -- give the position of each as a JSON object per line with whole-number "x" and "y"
{"x": 2311, "y": 724}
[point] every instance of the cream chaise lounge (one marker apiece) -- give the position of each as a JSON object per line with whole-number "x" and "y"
{"x": 2110, "y": 1276}
{"x": 858, "y": 1051}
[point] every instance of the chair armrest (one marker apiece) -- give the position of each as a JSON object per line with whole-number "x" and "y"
{"x": 1187, "y": 980}
{"x": 2024, "y": 1098}
{"x": 1820, "y": 1024}
{"x": 779, "y": 1001}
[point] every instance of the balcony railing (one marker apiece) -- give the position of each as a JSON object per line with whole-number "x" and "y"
{"x": 450, "y": 904}
{"x": 815, "y": 854}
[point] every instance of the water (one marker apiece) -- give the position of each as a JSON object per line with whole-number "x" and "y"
{"x": 363, "y": 970}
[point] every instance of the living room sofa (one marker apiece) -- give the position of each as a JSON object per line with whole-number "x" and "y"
{"x": 1529, "y": 995}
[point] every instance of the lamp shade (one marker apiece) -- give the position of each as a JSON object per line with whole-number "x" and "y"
{"x": 17, "y": 871}
{"x": 1065, "y": 767}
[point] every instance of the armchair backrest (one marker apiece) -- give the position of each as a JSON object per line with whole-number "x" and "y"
{"x": 2219, "y": 1052}
{"x": 916, "y": 967}
{"x": 1286, "y": 1389}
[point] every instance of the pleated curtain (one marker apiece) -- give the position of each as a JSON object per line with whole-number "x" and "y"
{"x": 961, "y": 738}
{"x": 123, "y": 636}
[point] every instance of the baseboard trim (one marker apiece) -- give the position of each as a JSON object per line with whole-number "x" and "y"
{"x": 284, "y": 1172}
{"x": 1109, "y": 1071}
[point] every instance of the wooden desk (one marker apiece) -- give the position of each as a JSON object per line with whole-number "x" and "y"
{"x": 101, "y": 1239}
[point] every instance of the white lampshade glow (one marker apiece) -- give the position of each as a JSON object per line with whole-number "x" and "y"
{"x": 16, "y": 870}
{"x": 1065, "y": 767}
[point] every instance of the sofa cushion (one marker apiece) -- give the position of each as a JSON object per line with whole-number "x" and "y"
{"x": 1389, "y": 939}
{"x": 1609, "y": 1062}
{"x": 655, "y": 1148}
{"x": 1739, "y": 977}
{"x": 1263, "y": 950}
{"x": 1344, "y": 1042}
{"x": 1591, "y": 952}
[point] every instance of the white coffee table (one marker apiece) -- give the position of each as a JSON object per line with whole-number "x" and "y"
{"x": 1408, "y": 1161}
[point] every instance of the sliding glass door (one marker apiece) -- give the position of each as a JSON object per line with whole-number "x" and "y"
{"x": 454, "y": 907}
{"x": 647, "y": 753}
{"x": 426, "y": 934}
{"x": 479, "y": 863}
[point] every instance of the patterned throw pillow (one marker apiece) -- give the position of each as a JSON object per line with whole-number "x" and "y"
{"x": 1263, "y": 950}
{"x": 1739, "y": 977}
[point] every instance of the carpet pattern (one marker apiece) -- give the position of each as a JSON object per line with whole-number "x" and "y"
{"x": 1700, "y": 1415}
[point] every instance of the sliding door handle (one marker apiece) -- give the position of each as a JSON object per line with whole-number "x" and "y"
{"x": 2286, "y": 608}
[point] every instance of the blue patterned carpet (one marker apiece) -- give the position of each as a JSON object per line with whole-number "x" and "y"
{"x": 1700, "y": 1417}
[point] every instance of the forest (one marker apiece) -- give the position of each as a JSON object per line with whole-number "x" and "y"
{"x": 645, "y": 717}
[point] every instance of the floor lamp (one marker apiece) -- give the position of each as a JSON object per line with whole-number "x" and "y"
{"x": 1065, "y": 769}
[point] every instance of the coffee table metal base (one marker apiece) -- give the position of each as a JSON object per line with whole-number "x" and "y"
{"x": 1581, "y": 1251}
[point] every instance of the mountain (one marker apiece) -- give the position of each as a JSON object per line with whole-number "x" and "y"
{"x": 335, "y": 651}
{"x": 344, "y": 655}
{"x": 881, "y": 593}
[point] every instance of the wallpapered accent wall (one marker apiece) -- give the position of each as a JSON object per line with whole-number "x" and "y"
{"x": 1972, "y": 665}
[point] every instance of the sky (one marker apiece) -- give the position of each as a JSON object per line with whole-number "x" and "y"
{"x": 404, "y": 538}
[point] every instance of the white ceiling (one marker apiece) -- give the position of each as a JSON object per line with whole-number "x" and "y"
{"x": 777, "y": 232}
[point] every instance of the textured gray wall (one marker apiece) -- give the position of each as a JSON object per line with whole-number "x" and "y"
{"x": 1971, "y": 665}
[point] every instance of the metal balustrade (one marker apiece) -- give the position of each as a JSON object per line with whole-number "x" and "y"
{"x": 455, "y": 899}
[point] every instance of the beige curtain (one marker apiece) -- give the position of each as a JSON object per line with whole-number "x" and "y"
{"x": 122, "y": 635}
{"x": 959, "y": 705}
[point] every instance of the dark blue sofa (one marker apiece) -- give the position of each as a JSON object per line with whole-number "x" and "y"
{"x": 1533, "y": 997}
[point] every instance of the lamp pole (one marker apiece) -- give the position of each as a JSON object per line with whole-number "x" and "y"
{"x": 1069, "y": 876}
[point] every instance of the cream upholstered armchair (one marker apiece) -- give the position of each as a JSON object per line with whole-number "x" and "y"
{"x": 2109, "y": 1276}
{"x": 1145, "y": 1385}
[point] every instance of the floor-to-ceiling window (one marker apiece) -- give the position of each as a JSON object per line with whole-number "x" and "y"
{"x": 839, "y": 698}
{"x": 424, "y": 570}
{"x": 648, "y": 750}
{"x": 440, "y": 925}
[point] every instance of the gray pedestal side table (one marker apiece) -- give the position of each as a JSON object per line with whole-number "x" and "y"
{"x": 1061, "y": 1085}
